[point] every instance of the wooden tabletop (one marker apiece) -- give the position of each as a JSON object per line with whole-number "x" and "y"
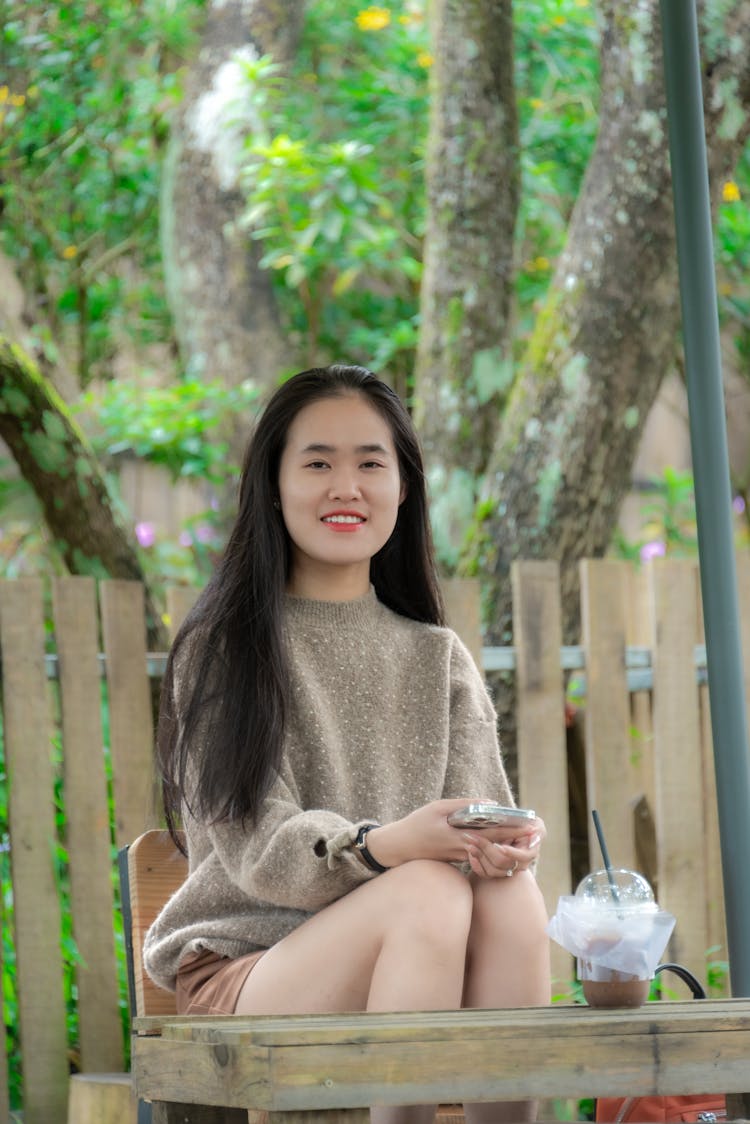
{"x": 339, "y": 1061}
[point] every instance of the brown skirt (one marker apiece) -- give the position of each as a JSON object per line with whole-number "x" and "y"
{"x": 209, "y": 984}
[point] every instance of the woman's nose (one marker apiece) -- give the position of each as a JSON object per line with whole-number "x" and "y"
{"x": 343, "y": 486}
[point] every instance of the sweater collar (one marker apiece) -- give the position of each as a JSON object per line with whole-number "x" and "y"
{"x": 304, "y": 611}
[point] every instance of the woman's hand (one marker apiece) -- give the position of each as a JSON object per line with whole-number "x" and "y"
{"x": 426, "y": 834}
{"x": 493, "y": 855}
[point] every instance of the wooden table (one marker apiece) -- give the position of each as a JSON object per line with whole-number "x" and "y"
{"x": 301, "y": 1068}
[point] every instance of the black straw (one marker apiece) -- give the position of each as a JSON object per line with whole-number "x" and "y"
{"x": 605, "y": 854}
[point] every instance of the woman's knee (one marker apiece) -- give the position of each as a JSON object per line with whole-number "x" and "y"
{"x": 510, "y": 905}
{"x": 432, "y": 895}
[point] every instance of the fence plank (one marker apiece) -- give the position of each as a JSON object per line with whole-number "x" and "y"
{"x": 87, "y": 823}
{"x": 130, "y": 711}
{"x": 180, "y": 600}
{"x": 463, "y": 612}
{"x": 715, "y": 919}
{"x": 638, "y": 634}
{"x": 680, "y": 796}
{"x": 540, "y": 705}
{"x": 4, "y": 1087}
{"x": 39, "y": 968}
{"x": 611, "y": 780}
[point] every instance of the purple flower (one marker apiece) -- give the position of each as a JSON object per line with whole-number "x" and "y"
{"x": 654, "y": 549}
{"x": 204, "y": 533}
{"x": 186, "y": 539}
{"x": 738, "y": 505}
{"x": 145, "y": 533}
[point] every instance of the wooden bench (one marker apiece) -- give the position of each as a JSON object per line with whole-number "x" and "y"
{"x": 302, "y": 1068}
{"x": 329, "y": 1068}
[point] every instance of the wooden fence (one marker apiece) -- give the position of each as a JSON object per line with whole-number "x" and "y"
{"x": 77, "y": 720}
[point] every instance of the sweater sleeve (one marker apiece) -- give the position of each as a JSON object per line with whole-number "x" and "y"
{"x": 475, "y": 766}
{"x": 293, "y": 858}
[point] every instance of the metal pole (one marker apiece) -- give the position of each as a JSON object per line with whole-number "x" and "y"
{"x": 713, "y": 498}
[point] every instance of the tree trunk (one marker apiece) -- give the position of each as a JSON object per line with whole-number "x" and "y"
{"x": 607, "y": 333}
{"x": 56, "y": 461}
{"x": 472, "y": 201}
{"x": 222, "y": 303}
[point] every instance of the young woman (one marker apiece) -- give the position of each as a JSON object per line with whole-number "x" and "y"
{"x": 319, "y": 724}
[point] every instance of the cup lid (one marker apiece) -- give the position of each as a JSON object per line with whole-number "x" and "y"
{"x": 616, "y": 889}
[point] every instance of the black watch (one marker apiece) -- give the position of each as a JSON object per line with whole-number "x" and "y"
{"x": 361, "y": 846}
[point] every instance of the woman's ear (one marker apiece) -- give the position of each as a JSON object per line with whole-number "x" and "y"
{"x": 403, "y": 493}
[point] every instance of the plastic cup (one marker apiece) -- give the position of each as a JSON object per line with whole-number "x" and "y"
{"x": 607, "y": 987}
{"x": 615, "y": 899}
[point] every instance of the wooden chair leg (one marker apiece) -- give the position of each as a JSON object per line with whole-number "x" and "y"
{"x": 738, "y": 1106}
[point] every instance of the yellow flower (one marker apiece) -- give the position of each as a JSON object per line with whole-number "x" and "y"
{"x": 373, "y": 19}
{"x": 536, "y": 265}
{"x": 730, "y": 193}
{"x": 69, "y": 252}
{"x": 425, "y": 59}
{"x": 4, "y": 91}
{"x": 17, "y": 99}
{"x": 536, "y": 103}
{"x": 558, "y": 21}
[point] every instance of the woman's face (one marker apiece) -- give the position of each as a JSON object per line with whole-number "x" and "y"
{"x": 340, "y": 489}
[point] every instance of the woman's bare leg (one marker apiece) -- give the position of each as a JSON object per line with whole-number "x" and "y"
{"x": 507, "y": 965}
{"x": 398, "y": 942}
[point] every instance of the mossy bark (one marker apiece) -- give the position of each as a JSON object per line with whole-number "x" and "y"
{"x": 609, "y": 330}
{"x": 472, "y": 202}
{"x": 57, "y": 462}
{"x": 223, "y": 307}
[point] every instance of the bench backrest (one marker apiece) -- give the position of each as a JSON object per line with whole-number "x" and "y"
{"x": 156, "y": 870}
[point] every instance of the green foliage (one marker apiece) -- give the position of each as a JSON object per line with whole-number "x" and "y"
{"x": 8, "y": 995}
{"x": 733, "y": 259}
{"x": 178, "y": 426}
{"x": 668, "y": 521}
{"x": 557, "y": 85}
{"x": 672, "y": 512}
{"x": 717, "y": 975}
{"x": 333, "y": 178}
{"x": 82, "y": 123}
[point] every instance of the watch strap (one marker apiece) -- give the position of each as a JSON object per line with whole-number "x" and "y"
{"x": 360, "y": 845}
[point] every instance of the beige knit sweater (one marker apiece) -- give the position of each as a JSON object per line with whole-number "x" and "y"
{"x": 387, "y": 714}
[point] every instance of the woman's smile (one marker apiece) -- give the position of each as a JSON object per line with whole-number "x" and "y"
{"x": 346, "y": 521}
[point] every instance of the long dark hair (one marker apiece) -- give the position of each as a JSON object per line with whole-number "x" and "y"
{"x": 221, "y": 724}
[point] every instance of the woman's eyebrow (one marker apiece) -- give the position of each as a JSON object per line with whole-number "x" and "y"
{"x": 319, "y": 447}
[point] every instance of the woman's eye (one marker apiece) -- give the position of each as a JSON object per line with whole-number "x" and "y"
{"x": 317, "y": 464}
{"x": 371, "y": 464}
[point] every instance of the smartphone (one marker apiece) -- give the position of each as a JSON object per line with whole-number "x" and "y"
{"x": 490, "y": 815}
